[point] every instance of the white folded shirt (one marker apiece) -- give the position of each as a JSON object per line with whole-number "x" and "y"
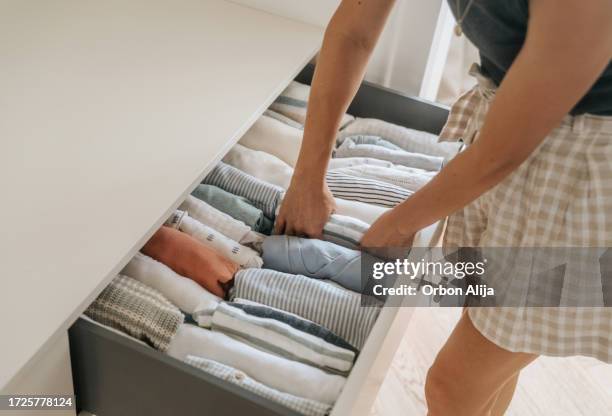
{"x": 220, "y": 221}
{"x": 186, "y": 294}
{"x": 365, "y": 212}
{"x": 260, "y": 164}
{"x": 277, "y": 372}
{"x": 230, "y": 249}
{"x": 272, "y": 136}
{"x": 408, "y": 178}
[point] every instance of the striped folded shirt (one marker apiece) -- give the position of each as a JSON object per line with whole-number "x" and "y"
{"x": 370, "y": 191}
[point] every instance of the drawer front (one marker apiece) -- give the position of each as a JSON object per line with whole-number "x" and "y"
{"x": 115, "y": 375}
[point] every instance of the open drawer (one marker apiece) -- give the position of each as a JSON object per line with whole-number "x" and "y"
{"x": 115, "y": 375}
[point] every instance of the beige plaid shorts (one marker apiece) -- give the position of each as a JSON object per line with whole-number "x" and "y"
{"x": 561, "y": 196}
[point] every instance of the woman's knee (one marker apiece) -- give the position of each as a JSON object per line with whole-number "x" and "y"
{"x": 442, "y": 391}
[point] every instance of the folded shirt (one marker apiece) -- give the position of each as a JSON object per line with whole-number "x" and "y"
{"x": 411, "y": 140}
{"x": 366, "y": 190}
{"x": 344, "y": 231}
{"x": 373, "y": 140}
{"x": 280, "y": 338}
{"x": 410, "y": 179}
{"x": 349, "y": 148}
{"x": 281, "y": 117}
{"x": 230, "y": 249}
{"x": 263, "y": 195}
{"x": 187, "y": 295}
{"x": 220, "y": 221}
{"x": 272, "y": 136}
{"x": 237, "y": 207}
{"x": 345, "y": 162}
{"x": 190, "y": 258}
{"x": 261, "y": 165}
{"x": 293, "y": 103}
{"x": 367, "y": 213}
{"x": 276, "y": 372}
{"x": 313, "y": 258}
{"x": 327, "y": 304}
{"x": 138, "y": 310}
{"x": 293, "y": 320}
{"x": 241, "y": 379}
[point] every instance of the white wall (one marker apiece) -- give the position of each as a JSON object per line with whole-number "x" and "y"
{"x": 401, "y": 59}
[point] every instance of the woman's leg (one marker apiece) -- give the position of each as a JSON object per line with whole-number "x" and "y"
{"x": 504, "y": 397}
{"x": 470, "y": 374}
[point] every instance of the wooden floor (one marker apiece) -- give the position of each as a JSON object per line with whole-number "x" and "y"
{"x": 549, "y": 386}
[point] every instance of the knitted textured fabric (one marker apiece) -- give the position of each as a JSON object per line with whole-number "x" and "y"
{"x": 138, "y": 310}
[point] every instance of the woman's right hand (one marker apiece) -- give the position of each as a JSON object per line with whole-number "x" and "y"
{"x": 305, "y": 209}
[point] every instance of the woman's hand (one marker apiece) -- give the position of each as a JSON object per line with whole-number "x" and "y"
{"x": 386, "y": 232}
{"x": 305, "y": 209}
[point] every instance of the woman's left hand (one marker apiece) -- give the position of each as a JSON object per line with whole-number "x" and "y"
{"x": 385, "y": 232}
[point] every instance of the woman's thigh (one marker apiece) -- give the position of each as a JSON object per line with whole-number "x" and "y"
{"x": 469, "y": 371}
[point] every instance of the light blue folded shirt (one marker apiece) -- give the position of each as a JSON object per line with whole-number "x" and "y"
{"x": 314, "y": 258}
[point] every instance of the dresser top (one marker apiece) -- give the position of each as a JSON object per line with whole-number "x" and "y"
{"x": 110, "y": 113}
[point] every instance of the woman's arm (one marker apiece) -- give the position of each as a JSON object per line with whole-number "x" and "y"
{"x": 349, "y": 40}
{"x": 568, "y": 45}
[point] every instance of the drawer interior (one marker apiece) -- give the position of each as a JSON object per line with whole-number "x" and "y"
{"x": 117, "y": 375}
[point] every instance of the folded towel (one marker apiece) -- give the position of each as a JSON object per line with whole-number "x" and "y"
{"x": 238, "y": 207}
{"x": 411, "y": 140}
{"x": 344, "y": 231}
{"x": 410, "y": 179}
{"x": 220, "y": 221}
{"x": 366, "y": 190}
{"x": 280, "y": 338}
{"x": 138, "y": 310}
{"x": 293, "y": 103}
{"x": 261, "y": 165}
{"x": 313, "y": 258}
{"x": 187, "y": 295}
{"x": 349, "y": 148}
{"x": 231, "y": 375}
{"x": 276, "y": 372}
{"x": 272, "y": 136}
{"x": 367, "y": 213}
{"x": 263, "y": 195}
{"x": 231, "y": 250}
{"x": 326, "y": 304}
{"x": 190, "y": 258}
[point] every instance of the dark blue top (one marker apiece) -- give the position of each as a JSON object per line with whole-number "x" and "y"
{"x": 498, "y": 28}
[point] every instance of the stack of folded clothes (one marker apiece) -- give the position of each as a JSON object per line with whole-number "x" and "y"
{"x": 280, "y": 316}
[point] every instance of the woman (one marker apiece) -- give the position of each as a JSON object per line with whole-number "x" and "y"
{"x": 538, "y": 174}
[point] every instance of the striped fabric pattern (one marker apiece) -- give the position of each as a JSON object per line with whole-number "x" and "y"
{"x": 263, "y": 195}
{"x": 301, "y": 405}
{"x": 366, "y": 190}
{"x": 344, "y": 231}
{"x": 138, "y": 310}
{"x": 281, "y": 339}
{"x": 322, "y": 302}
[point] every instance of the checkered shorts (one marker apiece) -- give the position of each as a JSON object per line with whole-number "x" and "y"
{"x": 561, "y": 196}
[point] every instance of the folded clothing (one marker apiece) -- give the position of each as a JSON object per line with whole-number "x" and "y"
{"x": 366, "y": 190}
{"x": 261, "y": 165}
{"x": 263, "y": 195}
{"x": 344, "y": 231}
{"x": 339, "y": 310}
{"x": 345, "y": 162}
{"x": 367, "y": 213}
{"x": 220, "y": 221}
{"x": 411, "y": 140}
{"x": 238, "y": 207}
{"x": 231, "y": 250}
{"x": 190, "y": 258}
{"x": 293, "y": 103}
{"x": 138, "y": 310}
{"x": 280, "y": 338}
{"x": 373, "y": 140}
{"x": 187, "y": 295}
{"x": 272, "y": 136}
{"x": 410, "y": 179}
{"x": 281, "y": 117}
{"x": 231, "y": 375}
{"x": 314, "y": 258}
{"x": 293, "y": 320}
{"x": 349, "y": 148}
{"x": 276, "y": 372}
